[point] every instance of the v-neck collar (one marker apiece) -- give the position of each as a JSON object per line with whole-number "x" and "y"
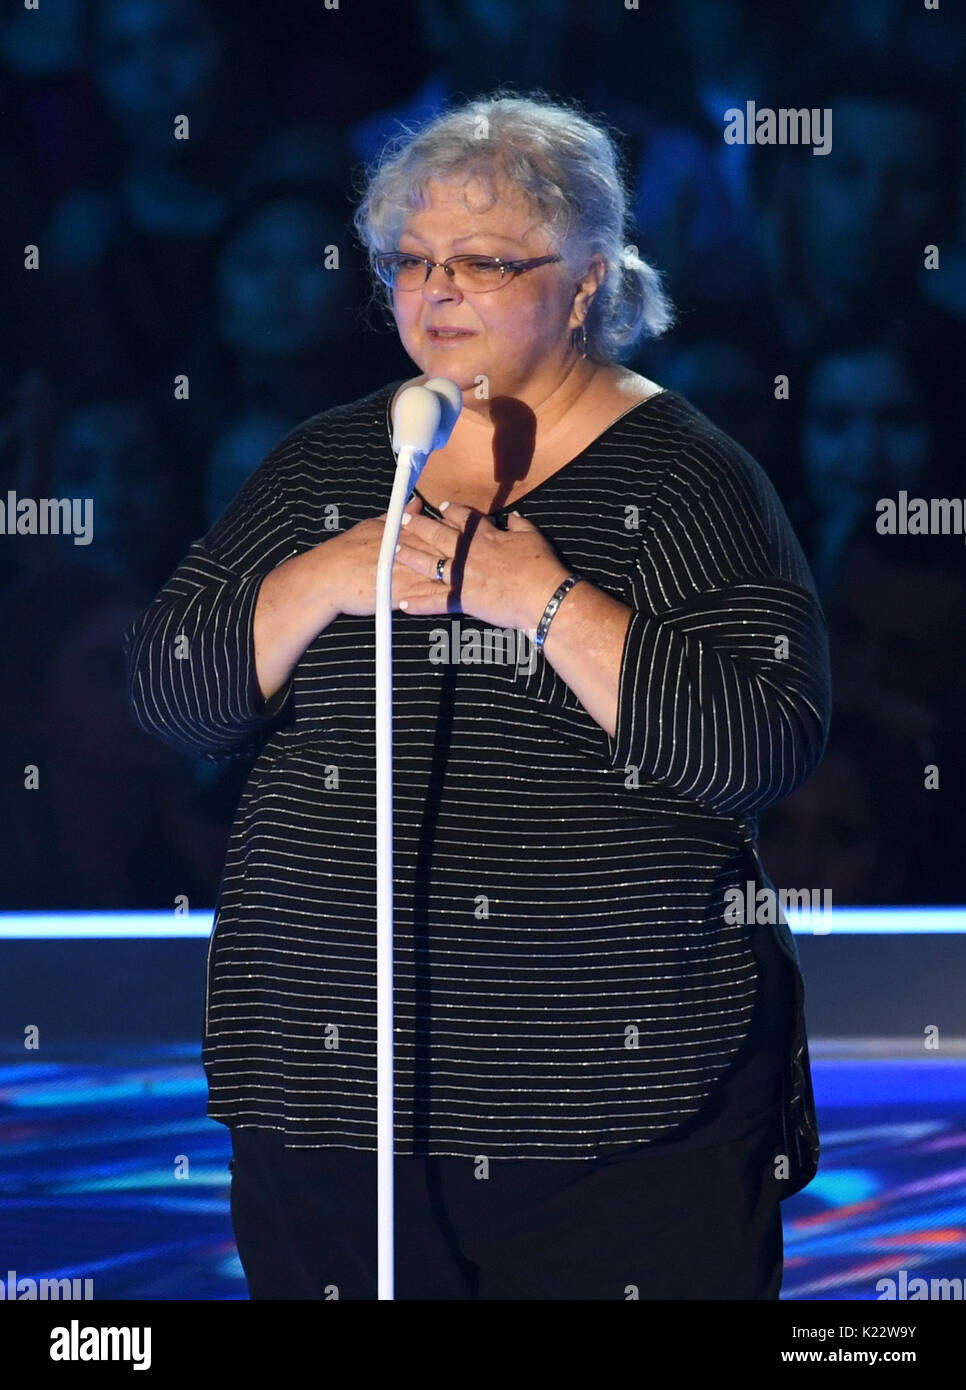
{"x": 664, "y": 394}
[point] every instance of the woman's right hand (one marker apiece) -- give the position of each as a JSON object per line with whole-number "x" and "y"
{"x": 300, "y": 597}
{"x": 347, "y": 567}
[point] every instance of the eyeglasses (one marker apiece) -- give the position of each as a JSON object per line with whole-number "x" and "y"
{"x": 401, "y": 270}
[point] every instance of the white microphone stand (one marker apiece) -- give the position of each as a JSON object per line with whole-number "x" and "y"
{"x": 425, "y": 415}
{"x": 401, "y": 489}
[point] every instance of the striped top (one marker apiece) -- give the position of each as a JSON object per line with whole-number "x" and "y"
{"x": 566, "y": 981}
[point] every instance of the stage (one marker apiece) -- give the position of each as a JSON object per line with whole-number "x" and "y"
{"x": 111, "y": 1171}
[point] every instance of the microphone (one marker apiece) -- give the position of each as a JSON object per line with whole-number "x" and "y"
{"x": 423, "y": 419}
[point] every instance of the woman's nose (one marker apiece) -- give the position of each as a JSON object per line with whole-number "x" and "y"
{"x": 439, "y": 285}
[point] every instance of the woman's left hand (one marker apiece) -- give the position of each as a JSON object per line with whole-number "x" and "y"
{"x": 503, "y": 578}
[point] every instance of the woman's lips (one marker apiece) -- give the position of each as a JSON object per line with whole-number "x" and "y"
{"x": 453, "y": 335}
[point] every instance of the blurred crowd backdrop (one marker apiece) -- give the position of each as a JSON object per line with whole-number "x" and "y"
{"x": 204, "y": 257}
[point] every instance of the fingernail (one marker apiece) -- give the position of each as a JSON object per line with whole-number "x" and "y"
{"x": 398, "y": 548}
{"x": 443, "y": 506}
{"x": 404, "y": 603}
{"x": 407, "y": 517}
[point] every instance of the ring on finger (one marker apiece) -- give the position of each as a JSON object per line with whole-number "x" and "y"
{"x": 440, "y": 563}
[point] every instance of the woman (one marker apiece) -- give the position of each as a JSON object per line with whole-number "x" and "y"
{"x": 602, "y": 1085}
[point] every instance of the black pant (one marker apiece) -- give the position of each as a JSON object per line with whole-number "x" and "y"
{"x": 676, "y": 1222}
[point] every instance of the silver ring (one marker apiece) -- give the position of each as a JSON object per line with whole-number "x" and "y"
{"x": 440, "y": 563}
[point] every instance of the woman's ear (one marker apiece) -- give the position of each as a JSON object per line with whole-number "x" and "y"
{"x": 589, "y": 285}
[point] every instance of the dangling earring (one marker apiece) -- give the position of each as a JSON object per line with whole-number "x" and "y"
{"x": 578, "y": 340}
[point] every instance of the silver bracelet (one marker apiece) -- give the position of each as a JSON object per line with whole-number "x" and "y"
{"x": 548, "y": 613}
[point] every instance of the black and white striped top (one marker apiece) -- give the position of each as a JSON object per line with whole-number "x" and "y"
{"x": 565, "y": 978}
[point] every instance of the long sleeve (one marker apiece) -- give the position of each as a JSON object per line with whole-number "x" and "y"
{"x": 724, "y": 693}
{"x": 189, "y": 656}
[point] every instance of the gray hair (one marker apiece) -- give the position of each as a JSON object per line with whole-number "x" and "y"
{"x": 568, "y": 166}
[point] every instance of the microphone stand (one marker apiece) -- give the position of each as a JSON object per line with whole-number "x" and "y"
{"x": 424, "y": 418}
{"x": 408, "y": 466}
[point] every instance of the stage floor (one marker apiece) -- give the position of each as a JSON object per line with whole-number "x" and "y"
{"x": 110, "y": 1170}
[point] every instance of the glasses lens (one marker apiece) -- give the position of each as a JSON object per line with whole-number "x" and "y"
{"x": 401, "y": 272}
{"x": 477, "y": 273}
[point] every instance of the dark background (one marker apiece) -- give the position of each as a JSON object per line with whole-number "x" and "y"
{"x": 204, "y": 257}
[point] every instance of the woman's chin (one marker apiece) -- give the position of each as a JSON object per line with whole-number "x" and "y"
{"x": 438, "y": 364}
{"x": 452, "y": 360}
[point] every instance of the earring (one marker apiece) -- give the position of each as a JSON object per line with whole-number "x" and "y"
{"x": 578, "y": 340}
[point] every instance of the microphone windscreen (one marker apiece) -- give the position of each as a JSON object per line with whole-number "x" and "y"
{"x": 451, "y": 403}
{"x": 416, "y": 418}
